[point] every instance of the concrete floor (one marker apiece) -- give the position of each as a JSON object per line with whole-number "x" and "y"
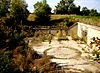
{"x": 69, "y": 55}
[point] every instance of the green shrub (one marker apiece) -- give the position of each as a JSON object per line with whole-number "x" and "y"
{"x": 5, "y": 62}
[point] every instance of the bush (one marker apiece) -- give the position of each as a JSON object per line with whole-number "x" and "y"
{"x": 5, "y": 62}
{"x": 42, "y": 10}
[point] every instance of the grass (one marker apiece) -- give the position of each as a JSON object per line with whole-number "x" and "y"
{"x": 92, "y": 20}
{"x": 57, "y": 17}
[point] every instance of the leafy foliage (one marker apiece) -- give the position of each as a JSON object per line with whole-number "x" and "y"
{"x": 3, "y": 8}
{"x": 67, "y": 7}
{"x": 42, "y": 10}
{"x": 93, "y": 12}
{"x": 17, "y": 57}
{"x": 18, "y": 10}
{"x": 5, "y": 61}
{"x": 86, "y": 12}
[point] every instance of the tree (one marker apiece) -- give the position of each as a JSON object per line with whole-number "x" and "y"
{"x": 71, "y": 8}
{"x": 93, "y": 12}
{"x": 4, "y": 6}
{"x": 85, "y": 11}
{"x": 67, "y": 7}
{"x": 44, "y": 1}
{"x": 18, "y": 10}
{"x": 42, "y": 10}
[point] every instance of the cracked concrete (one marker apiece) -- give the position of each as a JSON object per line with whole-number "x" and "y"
{"x": 69, "y": 55}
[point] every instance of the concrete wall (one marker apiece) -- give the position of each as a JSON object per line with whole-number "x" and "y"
{"x": 93, "y": 33}
{"x": 82, "y": 31}
{"x": 72, "y": 31}
{"x": 87, "y": 32}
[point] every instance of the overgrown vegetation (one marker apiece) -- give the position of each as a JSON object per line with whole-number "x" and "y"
{"x": 42, "y": 10}
{"x": 5, "y": 61}
{"x": 15, "y": 54}
{"x": 92, "y": 20}
{"x": 68, "y": 7}
{"x": 96, "y": 48}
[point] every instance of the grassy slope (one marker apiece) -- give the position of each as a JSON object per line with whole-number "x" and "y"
{"x": 85, "y": 19}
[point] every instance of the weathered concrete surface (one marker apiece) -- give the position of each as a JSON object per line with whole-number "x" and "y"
{"x": 69, "y": 55}
{"x": 87, "y": 32}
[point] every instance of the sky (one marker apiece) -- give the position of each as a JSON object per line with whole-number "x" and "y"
{"x": 90, "y": 4}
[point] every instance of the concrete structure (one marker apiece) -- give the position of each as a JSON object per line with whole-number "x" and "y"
{"x": 72, "y": 31}
{"x": 87, "y": 32}
{"x": 84, "y": 31}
